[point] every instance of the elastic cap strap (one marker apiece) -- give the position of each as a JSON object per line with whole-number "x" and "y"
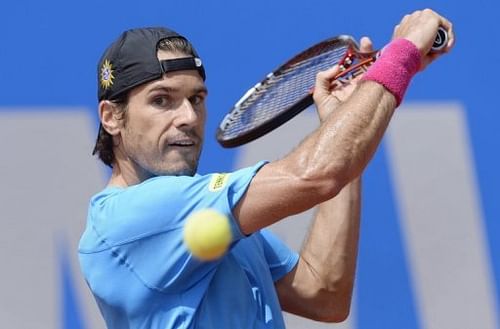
{"x": 179, "y": 64}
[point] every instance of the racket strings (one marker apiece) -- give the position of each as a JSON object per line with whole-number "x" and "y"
{"x": 281, "y": 91}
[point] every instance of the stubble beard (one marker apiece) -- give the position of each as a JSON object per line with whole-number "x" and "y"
{"x": 189, "y": 167}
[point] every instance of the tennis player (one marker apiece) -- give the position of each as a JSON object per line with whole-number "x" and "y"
{"x": 152, "y": 110}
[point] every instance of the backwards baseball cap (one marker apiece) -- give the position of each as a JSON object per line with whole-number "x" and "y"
{"x": 132, "y": 60}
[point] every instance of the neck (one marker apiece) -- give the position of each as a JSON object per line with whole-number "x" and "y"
{"x": 125, "y": 172}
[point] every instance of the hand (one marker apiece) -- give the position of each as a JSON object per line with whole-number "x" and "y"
{"x": 327, "y": 99}
{"x": 421, "y": 28}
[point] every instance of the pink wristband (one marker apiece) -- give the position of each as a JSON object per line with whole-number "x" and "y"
{"x": 396, "y": 66}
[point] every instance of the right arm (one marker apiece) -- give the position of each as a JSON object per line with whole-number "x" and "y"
{"x": 323, "y": 163}
{"x": 341, "y": 147}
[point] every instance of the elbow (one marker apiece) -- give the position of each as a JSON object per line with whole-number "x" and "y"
{"x": 339, "y": 294}
{"x": 335, "y": 310}
{"x": 333, "y": 301}
{"x": 338, "y": 315}
{"x": 325, "y": 183}
{"x": 325, "y": 176}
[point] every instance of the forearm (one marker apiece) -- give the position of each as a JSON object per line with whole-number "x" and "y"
{"x": 332, "y": 245}
{"x": 322, "y": 164}
{"x": 326, "y": 270}
{"x": 341, "y": 148}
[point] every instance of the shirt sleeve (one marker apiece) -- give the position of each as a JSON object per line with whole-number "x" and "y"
{"x": 143, "y": 225}
{"x": 280, "y": 258}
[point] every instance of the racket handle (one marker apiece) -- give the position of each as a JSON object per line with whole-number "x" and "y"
{"x": 441, "y": 40}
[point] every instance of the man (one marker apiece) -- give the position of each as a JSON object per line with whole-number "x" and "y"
{"x": 152, "y": 110}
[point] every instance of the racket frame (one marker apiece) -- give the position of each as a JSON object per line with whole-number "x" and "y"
{"x": 346, "y": 74}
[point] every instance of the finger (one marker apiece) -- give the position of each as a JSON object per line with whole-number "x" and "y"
{"x": 366, "y": 45}
{"x": 451, "y": 39}
{"x": 329, "y": 74}
{"x": 444, "y": 23}
{"x": 324, "y": 78}
{"x": 448, "y": 26}
{"x": 323, "y": 81}
{"x": 395, "y": 31}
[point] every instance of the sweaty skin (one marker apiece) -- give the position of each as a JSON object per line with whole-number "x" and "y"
{"x": 162, "y": 131}
{"x": 319, "y": 168}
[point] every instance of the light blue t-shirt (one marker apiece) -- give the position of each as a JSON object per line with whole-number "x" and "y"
{"x": 142, "y": 276}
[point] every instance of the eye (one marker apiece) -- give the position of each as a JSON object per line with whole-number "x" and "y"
{"x": 196, "y": 99}
{"x": 161, "y": 101}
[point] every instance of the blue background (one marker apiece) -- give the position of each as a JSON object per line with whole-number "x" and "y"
{"x": 49, "y": 51}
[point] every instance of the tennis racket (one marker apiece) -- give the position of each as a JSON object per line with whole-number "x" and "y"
{"x": 287, "y": 91}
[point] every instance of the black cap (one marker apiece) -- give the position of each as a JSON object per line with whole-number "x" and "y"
{"x": 132, "y": 60}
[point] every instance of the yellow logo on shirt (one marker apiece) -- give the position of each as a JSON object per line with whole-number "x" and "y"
{"x": 218, "y": 182}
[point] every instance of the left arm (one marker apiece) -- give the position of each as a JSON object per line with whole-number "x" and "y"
{"x": 320, "y": 286}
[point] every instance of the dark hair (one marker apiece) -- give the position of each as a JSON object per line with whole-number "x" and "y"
{"x": 176, "y": 44}
{"x": 104, "y": 144}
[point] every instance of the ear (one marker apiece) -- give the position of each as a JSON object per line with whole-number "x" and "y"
{"x": 109, "y": 120}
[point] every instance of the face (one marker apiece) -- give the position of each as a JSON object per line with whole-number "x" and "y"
{"x": 164, "y": 126}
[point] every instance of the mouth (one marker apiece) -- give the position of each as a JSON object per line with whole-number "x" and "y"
{"x": 182, "y": 143}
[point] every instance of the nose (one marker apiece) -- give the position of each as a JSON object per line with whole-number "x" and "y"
{"x": 186, "y": 115}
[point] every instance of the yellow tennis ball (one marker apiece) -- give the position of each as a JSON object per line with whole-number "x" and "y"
{"x": 207, "y": 234}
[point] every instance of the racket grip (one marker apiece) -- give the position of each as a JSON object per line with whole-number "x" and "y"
{"x": 441, "y": 40}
